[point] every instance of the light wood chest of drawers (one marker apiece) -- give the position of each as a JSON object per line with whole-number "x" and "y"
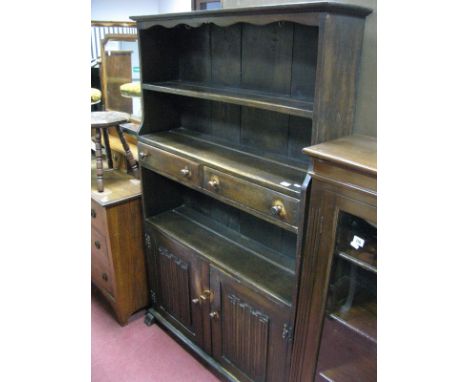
{"x": 117, "y": 260}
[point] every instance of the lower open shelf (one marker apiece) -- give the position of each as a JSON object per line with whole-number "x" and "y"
{"x": 360, "y": 318}
{"x": 345, "y": 356}
{"x": 244, "y": 258}
{"x": 353, "y": 371}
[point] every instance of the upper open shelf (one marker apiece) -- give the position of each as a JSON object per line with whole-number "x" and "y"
{"x": 300, "y": 107}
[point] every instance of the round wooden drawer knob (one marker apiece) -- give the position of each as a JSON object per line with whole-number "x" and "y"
{"x": 214, "y": 183}
{"x": 186, "y": 172}
{"x": 278, "y": 209}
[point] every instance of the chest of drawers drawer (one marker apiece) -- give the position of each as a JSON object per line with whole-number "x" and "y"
{"x": 174, "y": 166}
{"x": 272, "y": 204}
{"x": 98, "y": 217}
{"x": 101, "y": 270}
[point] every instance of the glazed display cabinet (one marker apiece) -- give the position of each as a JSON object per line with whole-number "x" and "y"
{"x": 230, "y": 99}
{"x": 336, "y": 323}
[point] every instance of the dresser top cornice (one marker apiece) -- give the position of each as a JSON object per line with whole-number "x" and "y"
{"x": 213, "y": 15}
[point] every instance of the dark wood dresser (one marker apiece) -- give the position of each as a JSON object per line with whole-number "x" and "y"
{"x": 336, "y": 322}
{"x": 230, "y": 99}
{"x": 117, "y": 256}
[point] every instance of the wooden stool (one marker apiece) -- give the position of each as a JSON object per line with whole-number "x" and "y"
{"x": 102, "y": 121}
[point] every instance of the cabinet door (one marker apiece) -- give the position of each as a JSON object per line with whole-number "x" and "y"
{"x": 250, "y": 337}
{"x": 323, "y": 330}
{"x": 177, "y": 278}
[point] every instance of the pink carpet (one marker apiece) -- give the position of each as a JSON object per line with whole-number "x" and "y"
{"x": 137, "y": 353}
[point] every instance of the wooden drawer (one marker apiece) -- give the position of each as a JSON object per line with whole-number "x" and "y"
{"x": 181, "y": 169}
{"x": 101, "y": 271}
{"x": 272, "y": 204}
{"x": 98, "y": 217}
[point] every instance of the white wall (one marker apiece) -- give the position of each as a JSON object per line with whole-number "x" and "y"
{"x": 121, "y": 10}
{"x": 169, "y": 6}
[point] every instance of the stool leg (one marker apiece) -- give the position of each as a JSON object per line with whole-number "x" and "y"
{"x": 110, "y": 162}
{"x": 99, "y": 169}
{"x": 128, "y": 153}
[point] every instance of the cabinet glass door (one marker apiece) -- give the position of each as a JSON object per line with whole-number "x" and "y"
{"x": 349, "y": 337}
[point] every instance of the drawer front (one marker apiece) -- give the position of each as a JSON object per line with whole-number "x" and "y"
{"x": 101, "y": 272}
{"x": 272, "y": 204}
{"x": 98, "y": 217}
{"x": 183, "y": 170}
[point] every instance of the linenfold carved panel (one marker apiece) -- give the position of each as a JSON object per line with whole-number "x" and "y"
{"x": 245, "y": 337}
{"x": 175, "y": 286}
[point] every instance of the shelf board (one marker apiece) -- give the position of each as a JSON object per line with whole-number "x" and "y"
{"x": 359, "y": 370}
{"x": 361, "y": 319}
{"x": 237, "y": 258}
{"x": 353, "y": 257}
{"x": 274, "y": 257}
{"x": 274, "y": 175}
{"x": 237, "y": 96}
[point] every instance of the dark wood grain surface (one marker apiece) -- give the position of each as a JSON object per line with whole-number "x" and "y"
{"x": 232, "y": 14}
{"x": 235, "y": 95}
{"x": 354, "y": 151}
{"x": 342, "y": 346}
{"x": 245, "y": 97}
{"x": 240, "y": 261}
{"x": 268, "y": 173}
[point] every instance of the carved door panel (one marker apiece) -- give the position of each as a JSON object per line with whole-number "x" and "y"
{"x": 178, "y": 279}
{"x": 249, "y": 332}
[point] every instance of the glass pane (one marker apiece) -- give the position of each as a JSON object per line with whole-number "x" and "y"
{"x": 349, "y": 337}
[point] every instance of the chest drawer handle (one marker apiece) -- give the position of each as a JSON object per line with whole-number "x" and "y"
{"x": 105, "y": 277}
{"x": 214, "y": 183}
{"x": 97, "y": 244}
{"x": 186, "y": 172}
{"x": 143, "y": 155}
{"x": 93, "y": 213}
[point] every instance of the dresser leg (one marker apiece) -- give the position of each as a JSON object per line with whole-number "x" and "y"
{"x": 149, "y": 319}
{"x": 128, "y": 154}
{"x": 99, "y": 168}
